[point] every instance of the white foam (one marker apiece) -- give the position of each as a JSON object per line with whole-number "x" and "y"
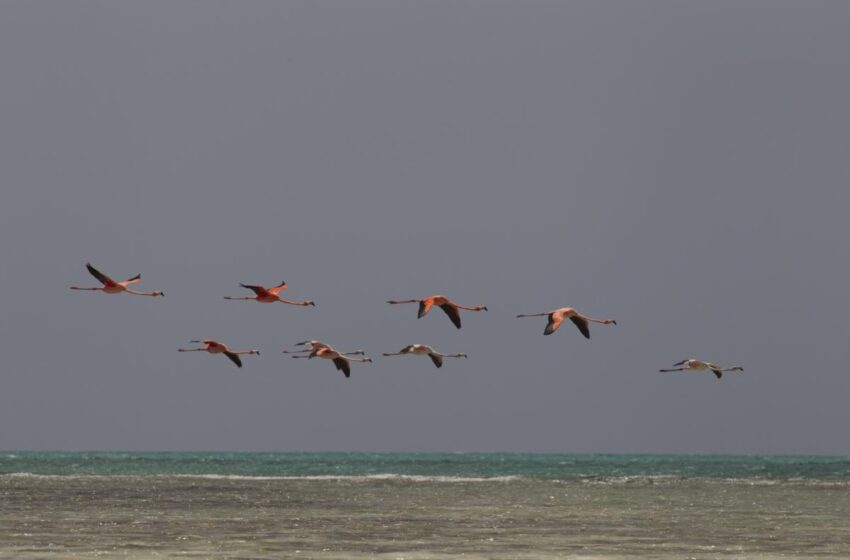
{"x": 357, "y": 478}
{"x": 330, "y": 477}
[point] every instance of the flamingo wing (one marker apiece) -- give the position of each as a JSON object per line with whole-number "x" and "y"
{"x": 234, "y": 358}
{"x": 277, "y": 289}
{"x": 132, "y": 280}
{"x": 424, "y": 307}
{"x": 438, "y": 360}
{"x": 718, "y": 373}
{"x": 553, "y": 324}
{"x": 581, "y": 323}
{"x": 343, "y": 365}
{"x": 452, "y": 312}
{"x": 104, "y": 279}
{"x": 259, "y": 290}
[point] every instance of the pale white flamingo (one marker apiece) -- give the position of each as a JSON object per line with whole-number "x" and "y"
{"x": 215, "y": 347}
{"x": 425, "y": 350}
{"x": 557, "y": 316}
{"x": 692, "y": 364}
{"x": 451, "y": 308}
{"x": 269, "y": 295}
{"x": 110, "y": 286}
{"x": 341, "y": 361}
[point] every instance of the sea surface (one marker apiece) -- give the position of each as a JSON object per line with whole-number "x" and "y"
{"x": 366, "y": 505}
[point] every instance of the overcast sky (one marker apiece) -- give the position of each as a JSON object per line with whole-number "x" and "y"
{"x": 679, "y": 166}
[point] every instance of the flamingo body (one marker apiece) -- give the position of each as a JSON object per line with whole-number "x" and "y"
{"x": 270, "y": 295}
{"x": 425, "y": 350}
{"x": 341, "y": 360}
{"x": 557, "y": 317}
{"x": 450, "y": 308}
{"x": 111, "y": 286}
{"x": 215, "y": 347}
{"x": 692, "y": 364}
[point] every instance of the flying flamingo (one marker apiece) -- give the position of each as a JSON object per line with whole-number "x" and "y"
{"x": 214, "y": 347}
{"x": 557, "y": 317}
{"x": 692, "y": 364}
{"x": 315, "y": 344}
{"x": 110, "y": 286}
{"x": 444, "y": 303}
{"x": 341, "y": 361}
{"x": 269, "y": 295}
{"x": 422, "y": 350}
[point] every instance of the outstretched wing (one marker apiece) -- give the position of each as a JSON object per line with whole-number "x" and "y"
{"x": 452, "y": 312}
{"x": 553, "y": 324}
{"x": 277, "y": 289}
{"x": 132, "y": 280}
{"x": 581, "y": 323}
{"x": 342, "y": 364}
{"x": 438, "y": 360}
{"x": 424, "y": 307}
{"x": 104, "y": 279}
{"x": 718, "y": 373}
{"x": 234, "y": 358}
{"x": 259, "y": 290}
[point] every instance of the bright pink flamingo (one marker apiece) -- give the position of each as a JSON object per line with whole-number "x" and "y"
{"x": 451, "y": 308}
{"x": 269, "y": 295}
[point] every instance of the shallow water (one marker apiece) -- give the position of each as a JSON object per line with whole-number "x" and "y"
{"x": 505, "y": 514}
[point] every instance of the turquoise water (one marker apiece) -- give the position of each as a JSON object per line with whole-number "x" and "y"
{"x": 549, "y": 466}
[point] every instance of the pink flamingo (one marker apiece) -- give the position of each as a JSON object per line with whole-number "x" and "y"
{"x": 451, "y": 308}
{"x": 341, "y": 361}
{"x": 556, "y": 318}
{"x": 215, "y": 347}
{"x": 269, "y": 295}
{"x": 110, "y": 286}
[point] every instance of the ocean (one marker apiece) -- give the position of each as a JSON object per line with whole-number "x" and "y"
{"x": 470, "y": 505}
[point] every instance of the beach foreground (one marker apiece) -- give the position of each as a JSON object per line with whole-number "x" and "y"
{"x": 420, "y": 516}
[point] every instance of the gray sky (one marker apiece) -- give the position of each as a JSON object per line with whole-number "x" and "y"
{"x": 680, "y": 166}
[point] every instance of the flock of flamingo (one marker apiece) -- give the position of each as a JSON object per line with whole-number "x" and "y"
{"x": 342, "y": 360}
